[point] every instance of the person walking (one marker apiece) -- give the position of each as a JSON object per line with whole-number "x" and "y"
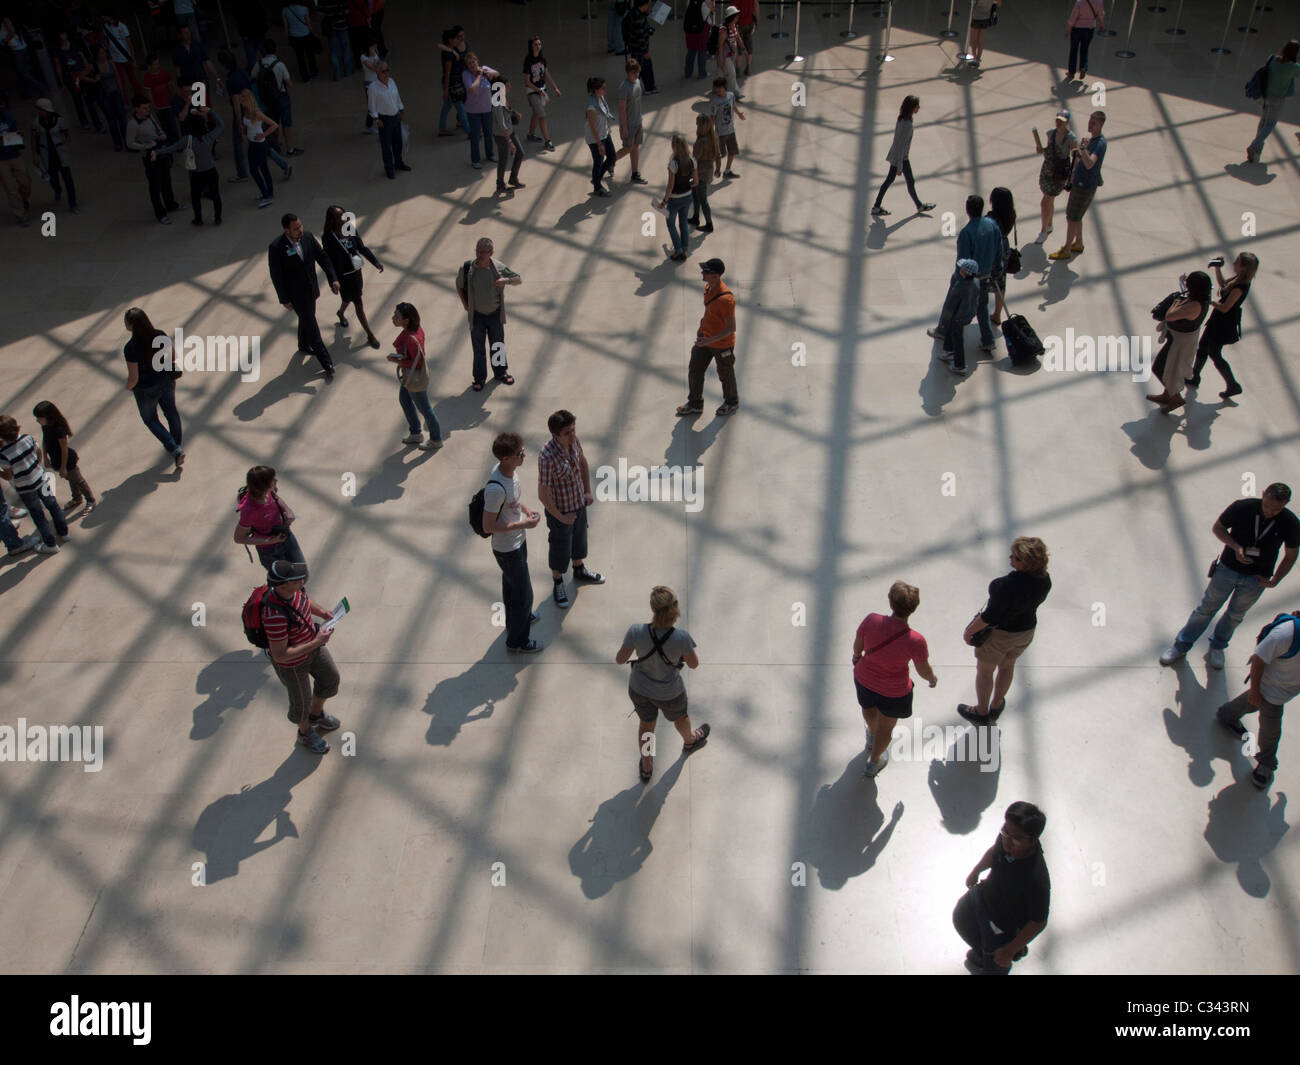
{"x": 1274, "y": 680}
{"x": 614, "y": 27}
{"x": 13, "y": 172}
{"x": 960, "y": 308}
{"x": 478, "y": 107}
{"x": 296, "y": 19}
{"x": 678, "y": 196}
{"x": 655, "y": 684}
{"x": 151, "y": 379}
{"x": 898, "y": 158}
{"x": 507, "y": 520}
{"x": 271, "y": 83}
{"x": 481, "y": 284}
{"x": 1085, "y": 180}
{"x": 730, "y": 50}
{"x": 50, "y": 137}
{"x": 596, "y": 133}
{"x": 1085, "y": 19}
{"x": 388, "y": 112}
{"x": 191, "y": 62}
{"x": 257, "y": 127}
{"x": 883, "y": 649}
{"x": 201, "y": 139}
{"x": 252, "y": 26}
{"x": 334, "y": 28}
{"x": 1279, "y": 83}
{"x": 708, "y": 157}
{"x": 1178, "y": 330}
{"x": 15, "y": 543}
{"x": 1224, "y": 324}
{"x": 69, "y": 60}
{"x": 509, "y": 151}
{"x": 22, "y": 461}
{"x": 370, "y": 64}
{"x": 453, "y": 54}
{"x": 748, "y": 20}
{"x": 564, "y": 488}
{"x": 537, "y": 75}
{"x": 59, "y": 456}
{"x": 1253, "y": 530}
{"x": 143, "y": 134}
{"x": 725, "y": 110}
{"x": 265, "y": 519}
{"x": 1000, "y": 915}
{"x": 117, "y": 39}
{"x": 347, "y": 251}
{"x": 695, "y": 27}
{"x": 292, "y": 259}
{"x": 1008, "y": 621}
{"x": 1054, "y": 174}
{"x": 630, "y": 124}
{"x": 715, "y": 339}
{"x": 98, "y": 82}
{"x": 413, "y": 378}
{"x": 637, "y": 30}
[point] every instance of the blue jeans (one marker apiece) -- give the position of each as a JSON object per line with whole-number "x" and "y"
{"x": 516, "y": 593}
{"x": 258, "y": 153}
{"x": 1244, "y": 588}
{"x": 289, "y": 551}
{"x": 147, "y": 402}
{"x": 614, "y": 29}
{"x": 340, "y": 55}
{"x": 415, "y": 403}
{"x": 480, "y": 126}
{"x": 679, "y": 228}
{"x": 8, "y": 534}
{"x": 1270, "y": 111}
{"x": 600, "y": 166}
{"x": 37, "y": 500}
{"x": 252, "y": 50}
{"x": 488, "y": 327}
{"x": 447, "y": 105}
{"x": 982, "y": 312}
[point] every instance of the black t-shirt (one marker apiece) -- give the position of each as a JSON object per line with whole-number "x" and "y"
{"x": 535, "y": 71}
{"x": 1014, "y": 600}
{"x": 1247, "y": 525}
{"x": 1016, "y": 892}
{"x": 50, "y": 436}
{"x": 149, "y": 377}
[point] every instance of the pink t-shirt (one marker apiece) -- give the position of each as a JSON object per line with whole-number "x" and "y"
{"x": 261, "y": 517}
{"x": 886, "y": 671}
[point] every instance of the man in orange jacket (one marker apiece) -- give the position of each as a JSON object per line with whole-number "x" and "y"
{"x": 716, "y": 339}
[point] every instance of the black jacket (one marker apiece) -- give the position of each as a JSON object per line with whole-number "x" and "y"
{"x": 293, "y": 276}
{"x": 636, "y": 32}
{"x": 341, "y": 249}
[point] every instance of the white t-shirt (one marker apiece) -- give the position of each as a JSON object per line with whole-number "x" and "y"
{"x": 1281, "y": 679}
{"x": 494, "y": 499}
{"x": 723, "y": 109}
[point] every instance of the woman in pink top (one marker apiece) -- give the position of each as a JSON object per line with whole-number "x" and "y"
{"x": 412, "y": 391}
{"x": 1086, "y": 18}
{"x": 264, "y": 519}
{"x": 882, "y": 651}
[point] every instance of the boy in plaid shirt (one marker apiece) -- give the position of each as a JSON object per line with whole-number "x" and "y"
{"x": 564, "y": 488}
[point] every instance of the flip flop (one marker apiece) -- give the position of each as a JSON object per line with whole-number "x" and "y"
{"x": 703, "y": 730}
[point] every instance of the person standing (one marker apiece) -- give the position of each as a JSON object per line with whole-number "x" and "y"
{"x": 748, "y": 20}
{"x": 1085, "y": 181}
{"x": 297, "y": 26}
{"x": 1054, "y": 174}
{"x": 265, "y": 520}
{"x": 999, "y": 915}
{"x": 22, "y": 459}
{"x": 257, "y": 127}
{"x": 190, "y": 59}
{"x": 13, "y": 172}
{"x": 983, "y": 14}
{"x": 708, "y": 157}
{"x": 272, "y": 85}
{"x": 637, "y": 30}
{"x": 251, "y": 25}
{"x": 564, "y": 488}
{"x": 334, "y": 27}
{"x": 158, "y": 84}
{"x": 695, "y": 26}
{"x": 1002, "y": 209}
{"x": 143, "y": 134}
{"x": 678, "y": 196}
{"x": 537, "y": 75}
{"x": 1180, "y": 327}
{"x": 898, "y": 157}
{"x": 596, "y": 133}
{"x": 730, "y": 50}
{"x": 1254, "y": 530}
{"x": 413, "y": 379}
{"x": 509, "y": 151}
{"x": 152, "y": 381}
{"x": 292, "y": 259}
{"x": 883, "y": 649}
{"x": 453, "y": 54}
{"x": 15, "y": 543}
{"x": 507, "y": 520}
{"x": 1224, "y": 324}
{"x": 630, "y": 125}
{"x": 347, "y": 251}
{"x": 1274, "y": 681}
{"x": 59, "y": 455}
{"x": 1279, "y": 83}
{"x": 1086, "y": 18}
{"x": 204, "y": 180}
{"x": 614, "y": 27}
{"x": 50, "y": 137}
{"x": 478, "y": 108}
{"x": 98, "y": 81}
{"x": 715, "y": 339}
{"x": 388, "y": 112}
{"x": 70, "y": 59}
{"x": 481, "y": 284}
{"x": 723, "y": 106}
{"x": 117, "y": 38}
{"x": 1010, "y": 618}
{"x": 369, "y": 63}
{"x": 655, "y": 683}
{"x": 960, "y": 307}
{"x": 979, "y": 240}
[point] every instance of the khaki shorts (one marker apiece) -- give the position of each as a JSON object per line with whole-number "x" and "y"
{"x": 729, "y": 144}
{"x": 1003, "y": 645}
{"x": 636, "y": 136}
{"x": 537, "y": 101}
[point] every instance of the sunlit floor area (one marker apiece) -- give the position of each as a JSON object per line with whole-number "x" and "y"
{"x": 480, "y": 811}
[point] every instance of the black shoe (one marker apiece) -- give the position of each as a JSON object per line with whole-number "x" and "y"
{"x": 587, "y": 576}
{"x": 530, "y": 648}
{"x": 401, "y": 166}
{"x": 706, "y": 228}
{"x": 637, "y": 179}
{"x": 534, "y": 618}
{"x": 968, "y": 713}
{"x": 694, "y": 221}
{"x": 1232, "y": 390}
{"x": 560, "y": 595}
{"x": 995, "y": 712}
{"x": 878, "y": 211}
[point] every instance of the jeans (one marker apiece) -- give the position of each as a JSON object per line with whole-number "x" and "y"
{"x": 1080, "y": 41}
{"x": 907, "y": 176}
{"x": 205, "y": 183}
{"x": 167, "y": 119}
{"x": 647, "y": 73}
{"x": 516, "y": 593}
{"x": 1244, "y": 588}
{"x": 488, "y": 327}
{"x": 566, "y": 542}
{"x": 614, "y": 29}
{"x": 252, "y": 50}
{"x": 38, "y": 499}
{"x": 955, "y": 317}
{"x": 340, "y": 55}
{"x": 289, "y": 551}
{"x": 505, "y": 158}
{"x": 258, "y": 152}
{"x": 703, "y": 57}
{"x": 1270, "y": 111}
{"x": 415, "y": 403}
{"x": 480, "y": 126}
{"x": 700, "y": 194}
{"x": 973, "y": 924}
{"x": 679, "y": 229}
{"x": 982, "y": 312}
{"x": 62, "y": 174}
{"x": 8, "y": 534}
{"x": 147, "y": 402}
{"x": 601, "y": 166}
{"x": 390, "y": 143}
{"x": 306, "y": 59}
{"x": 447, "y": 105}
{"x": 700, "y": 359}
{"x": 1270, "y": 726}
{"x": 109, "y": 104}
{"x": 159, "y": 176}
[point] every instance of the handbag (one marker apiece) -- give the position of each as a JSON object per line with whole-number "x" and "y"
{"x": 416, "y": 379}
{"x": 1159, "y": 311}
{"x": 1013, "y": 256}
{"x": 188, "y": 154}
{"x": 993, "y": 16}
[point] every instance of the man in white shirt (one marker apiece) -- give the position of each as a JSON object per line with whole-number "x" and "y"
{"x": 507, "y": 519}
{"x": 386, "y": 108}
{"x": 1274, "y": 680}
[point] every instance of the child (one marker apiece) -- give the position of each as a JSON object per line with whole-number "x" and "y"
{"x": 50, "y": 136}
{"x": 708, "y": 157}
{"x": 264, "y": 519}
{"x": 22, "y": 460}
{"x": 722, "y": 105}
{"x": 369, "y": 75}
{"x": 730, "y": 49}
{"x": 59, "y": 454}
{"x": 958, "y": 312}
{"x": 503, "y": 132}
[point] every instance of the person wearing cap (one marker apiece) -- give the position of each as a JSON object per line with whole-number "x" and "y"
{"x": 716, "y": 339}
{"x": 13, "y": 172}
{"x": 730, "y": 49}
{"x": 50, "y": 137}
{"x": 1085, "y": 180}
{"x": 1055, "y": 171}
{"x": 959, "y": 308}
{"x": 298, "y": 653}
{"x": 1254, "y": 530}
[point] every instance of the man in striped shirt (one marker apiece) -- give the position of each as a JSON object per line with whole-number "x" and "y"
{"x": 564, "y": 488}
{"x": 22, "y": 459}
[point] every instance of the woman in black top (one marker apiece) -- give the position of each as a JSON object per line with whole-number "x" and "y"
{"x": 1224, "y": 325}
{"x": 345, "y": 248}
{"x": 1002, "y": 209}
{"x": 1011, "y": 617}
{"x": 60, "y": 457}
{"x": 151, "y": 386}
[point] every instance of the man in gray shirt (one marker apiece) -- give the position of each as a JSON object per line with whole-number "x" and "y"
{"x": 481, "y": 284}
{"x": 629, "y": 119}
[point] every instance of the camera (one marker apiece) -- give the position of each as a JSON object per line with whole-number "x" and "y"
{"x": 1216, "y": 261}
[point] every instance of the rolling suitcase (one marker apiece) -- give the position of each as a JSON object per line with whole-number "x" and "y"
{"x": 1023, "y": 344}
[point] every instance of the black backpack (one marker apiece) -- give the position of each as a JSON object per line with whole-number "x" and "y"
{"x": 693, "y": 20}
{"x": 268, "y": 86}
{"x": 476, "y": 505}
{"x": 713, "y": 41}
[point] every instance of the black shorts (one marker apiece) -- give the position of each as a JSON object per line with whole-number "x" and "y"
{"x": 889, "y": 705}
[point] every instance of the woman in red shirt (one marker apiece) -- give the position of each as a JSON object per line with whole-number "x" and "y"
{"x": 413, "y": 375}
{"x": 882, "y": 651}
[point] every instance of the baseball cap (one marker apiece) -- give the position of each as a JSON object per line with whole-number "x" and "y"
{"x": 282, "y": 571}
{"x": 713, "y": 266}
{"x": 43, "y": 104}
{"x": 1063, "y": 114}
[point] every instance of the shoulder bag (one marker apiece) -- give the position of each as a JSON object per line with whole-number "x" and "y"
{"x": 659, "y": 648}
{"x": 415, "y": 379}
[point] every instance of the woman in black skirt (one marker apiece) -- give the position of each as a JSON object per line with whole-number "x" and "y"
{"x": 1224, "y": 325}
{"x": 345, "y": 248}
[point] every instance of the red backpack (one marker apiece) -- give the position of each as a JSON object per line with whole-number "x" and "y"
{"x": 254, "y": 628}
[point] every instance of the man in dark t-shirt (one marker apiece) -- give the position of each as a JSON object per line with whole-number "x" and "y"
{"x": 999, "y": 915}
{"x": 1254, "y": 530}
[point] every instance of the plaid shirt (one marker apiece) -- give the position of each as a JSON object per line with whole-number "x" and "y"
{"x": 560, "y": 469}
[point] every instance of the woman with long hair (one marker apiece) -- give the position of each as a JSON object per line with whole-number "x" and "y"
{"x": 1283, "y": 70}
{"x": 537, "y": 75}
{"x": 413, "y": 378}
{"x": 59, "y": 454}
{"x": 1002, "y": 209}
{"x": 151, "y": 379}
{"x": 256, "y": 128}
{"x": 265, "y": 519}
{"x": 346, "y": 251}
{"x": 1224, "y": 325}
{"x": 1179, "y": 328}
{"x": 678, "y": 196}
{"x": 898, "y": 157}
{"x": 708, "y": 157}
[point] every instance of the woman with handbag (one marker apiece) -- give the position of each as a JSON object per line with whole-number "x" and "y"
{"x": 1054, "y": 176}
{"x": 413, "y": 375}
{"x": 1005, "y": 627}
{"x": 1002, "y": 209}
{"x": 883, "y": 649}
{"x": 1179, "y": 327}
{"x": 983, "y": 14}
{"x": 196, "y": 148}
{"x": 347, "y": 252}
{"x": 1224, "y": 325}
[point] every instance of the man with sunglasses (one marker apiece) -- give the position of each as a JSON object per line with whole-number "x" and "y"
{"x": 508, "y": 520}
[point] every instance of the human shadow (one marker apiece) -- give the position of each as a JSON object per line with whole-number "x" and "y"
{"x": 1192, "y": 728}
{"x": 687, "y": 444}
{"x": 846, "y": 829}
{"x": 938, "y": 387}
{"x": 593, "y": 206}
{"x": 962, "y": 73}
{"x": 1198, "y": 423}
{"x": 879, "y": 233}
{"x": 1152, "y": 438}
{"x": 465, "y": 410}
{"x": 1250, "y": 173}
{"x": 618, "y": 842}
{"x": 485, "y": 207}
{"x": 1056, "y": 278}
{"x": 300, "y": 375}
{"x": 471, "y": 696}
{"x": 960, "y": 784}
{"x": 656, "y": 277}
{"x": 17, "y": 567}
{"x": 1243, "y": 827}
{"x": 386, "y": 483}
{"x": 116, "y": 502}
{"x": 227, "y": 830}
{"x": 229, "y": 684}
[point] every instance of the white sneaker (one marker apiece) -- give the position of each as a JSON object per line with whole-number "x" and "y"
{"x": 873, "y": 768}
{"x": 17, "y": 512}
{"x": 1215, "y": 658}
{"x": 47, "y": 549}
{"x": 1171, "y": 655}
{"x": 1043, "y": 235}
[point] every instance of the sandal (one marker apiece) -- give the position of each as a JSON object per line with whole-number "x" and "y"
{"x": 645, "y": 773}
{"x": 477, "y": 386}
{"x": 703, "y": 733}
{"x": 506, "y": 380}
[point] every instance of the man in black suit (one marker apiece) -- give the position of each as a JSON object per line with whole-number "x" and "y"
{"x": 292, "y": 258}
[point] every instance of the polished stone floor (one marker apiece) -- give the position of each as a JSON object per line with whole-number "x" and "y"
{"x": 488, "y": 817}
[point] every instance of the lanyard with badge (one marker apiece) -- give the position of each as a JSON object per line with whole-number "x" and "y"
{"x": 1253, "y": 552}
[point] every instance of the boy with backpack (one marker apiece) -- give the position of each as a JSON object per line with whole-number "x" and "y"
{"x": 271, "y": 84}
{"x": 278, "y": 619}
{"x": 1274, "y": 680}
